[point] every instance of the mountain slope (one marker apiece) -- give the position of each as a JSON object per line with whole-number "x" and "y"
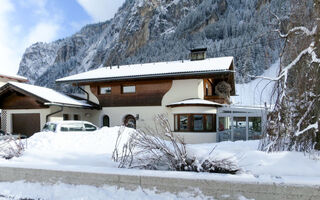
{"x": 164, "y": 30}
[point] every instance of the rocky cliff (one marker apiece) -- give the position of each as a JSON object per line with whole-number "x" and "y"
{"x": 164, "y": 30}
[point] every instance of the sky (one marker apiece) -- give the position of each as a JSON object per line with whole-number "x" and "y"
{"x": 25, "y": 22}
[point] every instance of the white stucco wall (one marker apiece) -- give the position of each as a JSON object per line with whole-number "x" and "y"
{"x": 184, "y": 89}
{"x": 92, "y": 97}
{"x": 146, "y": 114}
{"x": 197, "y": 138}
{"x": 194, "y": 110}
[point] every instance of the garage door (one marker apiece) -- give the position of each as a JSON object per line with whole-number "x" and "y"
{"x": 26, "y": 124}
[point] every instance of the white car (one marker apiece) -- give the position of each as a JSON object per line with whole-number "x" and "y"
{"x": 69, "y": 126}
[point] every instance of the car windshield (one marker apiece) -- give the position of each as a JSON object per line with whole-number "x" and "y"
{"x": 50, "y": 127}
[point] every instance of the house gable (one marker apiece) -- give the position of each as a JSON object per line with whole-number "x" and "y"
{"x": 17, "y": 100}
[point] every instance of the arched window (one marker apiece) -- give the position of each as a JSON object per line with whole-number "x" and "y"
{"x": 106, "y": 121}
{"x": 130, "y": 121}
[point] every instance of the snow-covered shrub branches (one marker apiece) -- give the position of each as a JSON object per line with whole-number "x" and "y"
{"x": 160, "y": 148}
{"x": 11, "y": 146}
{"x": 294, "y": 122}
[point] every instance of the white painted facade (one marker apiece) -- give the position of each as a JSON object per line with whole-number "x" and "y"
{"x": 180, "y": 90}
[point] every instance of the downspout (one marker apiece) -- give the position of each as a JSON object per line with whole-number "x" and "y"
{"x": 84, "y": 92}
{"x": 49, "y": 115}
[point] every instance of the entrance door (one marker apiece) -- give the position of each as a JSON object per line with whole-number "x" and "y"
{"x": 26, "y": 124}
{"x": 130, "y": 121}
{"x": 106, "y": 121}
{"x": 239, "y": 128}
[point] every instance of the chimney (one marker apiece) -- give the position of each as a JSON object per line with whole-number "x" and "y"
{"x": 198, "y": 54}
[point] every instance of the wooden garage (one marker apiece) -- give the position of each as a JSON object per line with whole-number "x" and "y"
{"x": 26, "y": 108}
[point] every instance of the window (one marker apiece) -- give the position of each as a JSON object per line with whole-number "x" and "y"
{"x": 89, "y": 127}
{"x": 198, "y": 122}
{"x": 50, "y": 127}
{"x": 183, "y": 123}
{"x": 65, "y": 117}
{"x": 194, "y": 122}
{"x": 254, "y": 128}
{"x": 209, "y": 122}
{"x": 225, "y": 133}
{"x": 129, "y": 89}
{"x": 105, "y": 90}
{"x": 76, "y": 117}
{"x": 207, "y": 89}
{"x": 72, "y": 127}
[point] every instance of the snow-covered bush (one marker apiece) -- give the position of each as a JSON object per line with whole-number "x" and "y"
{"x": 11, "y": 146}
{"x": 160, "y": 148}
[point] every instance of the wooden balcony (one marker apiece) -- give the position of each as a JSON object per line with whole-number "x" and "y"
{"x": 216, "y": 99}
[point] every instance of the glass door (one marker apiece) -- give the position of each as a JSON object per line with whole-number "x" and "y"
{"x": 239, "y": 126}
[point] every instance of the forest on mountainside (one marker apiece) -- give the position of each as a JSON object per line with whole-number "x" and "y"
{"x": 165, "y": 30}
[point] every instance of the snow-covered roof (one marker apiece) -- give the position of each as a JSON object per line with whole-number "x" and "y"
{"x": 196, "y": 102}
{"x": 49, "y": 96}
{"x": 154, "y": 70}
{"x": 15, "y": 77}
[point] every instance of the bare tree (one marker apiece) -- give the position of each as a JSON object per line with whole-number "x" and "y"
{"x": 160, "y": 148}
{"x": 294, "y": 122}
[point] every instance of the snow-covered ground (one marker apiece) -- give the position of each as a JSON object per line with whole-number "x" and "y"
{"x": 22, "y": 190}
{"x": 257, "y": 91}
{"x": 91, "y": 152}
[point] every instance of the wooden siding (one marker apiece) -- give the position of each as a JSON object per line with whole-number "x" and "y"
{"x": 15, "y": 100}
{"x": 148, "y": 93}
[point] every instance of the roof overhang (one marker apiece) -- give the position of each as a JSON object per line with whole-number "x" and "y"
{"x": 194, "y": 103}
{"x": 12, "y": 77}
{"x": 181, "y": 75}
{"x": 12, "y": 88}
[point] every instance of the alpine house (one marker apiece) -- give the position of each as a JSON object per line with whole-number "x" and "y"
{"x": 194, "y": 94}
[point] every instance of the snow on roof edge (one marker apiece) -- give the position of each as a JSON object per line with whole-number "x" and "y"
{"x": 194, "y": 101}
{"x": 153, "y": 70}
{"x": 53, "y": 97}
{"x": 16, "y": 77}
